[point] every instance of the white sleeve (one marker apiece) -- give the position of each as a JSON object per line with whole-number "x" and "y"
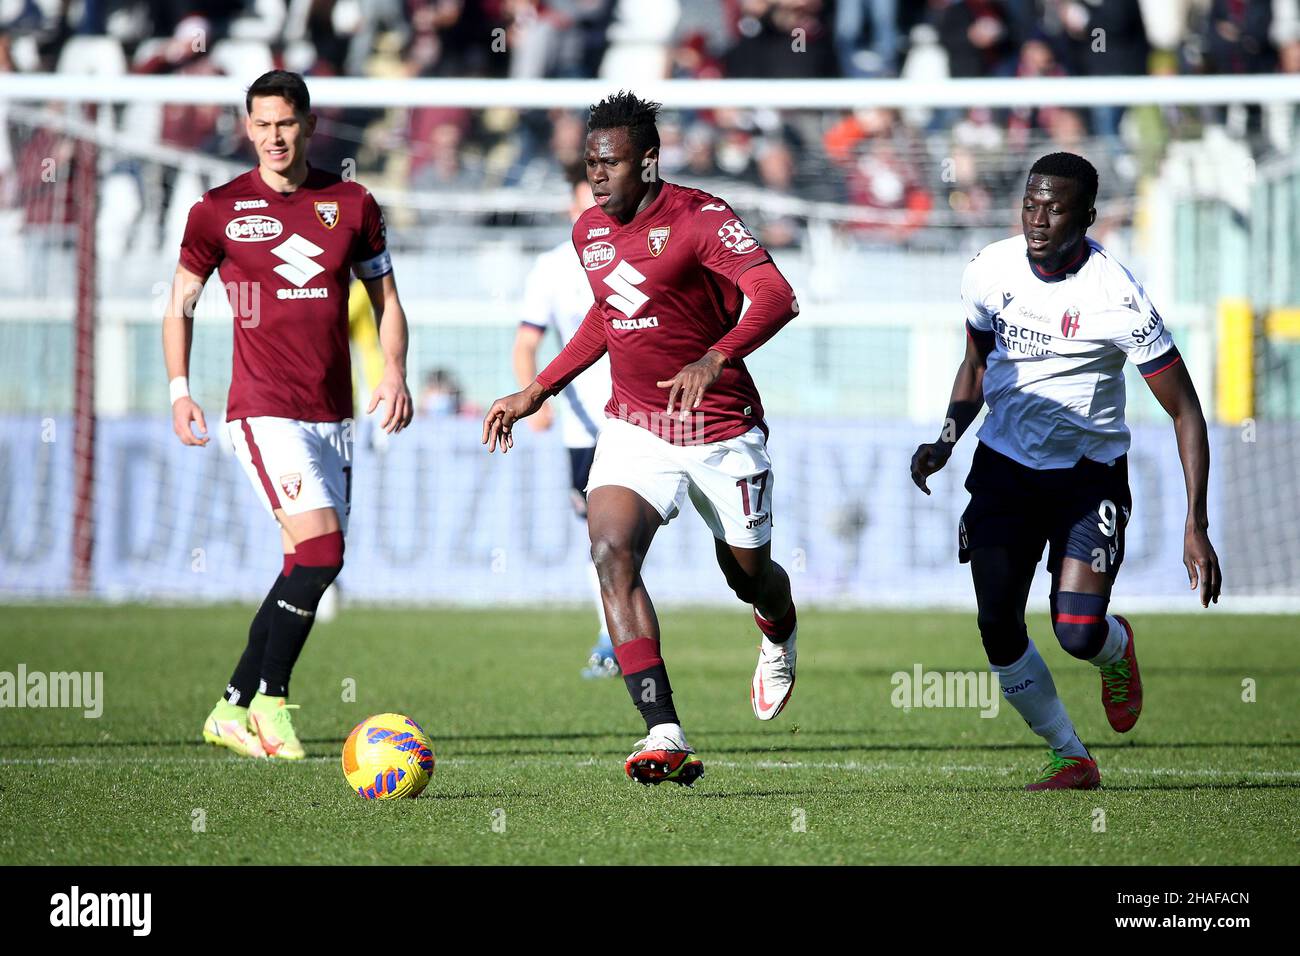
{"x": 1144, "y": 338}
{"x": 536, "y": 308}
{"x": 972, "y": 297}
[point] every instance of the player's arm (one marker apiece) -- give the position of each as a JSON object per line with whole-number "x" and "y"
{"x": 963, "y": 406}
{"x": 771, "y": 305}
{"x": 177, "y": 337}
{"x": 583, "y": 350}
{"x": 1173, "y": 388}
{"x": 528, "y": 338}
{"x": 393, "y": 338}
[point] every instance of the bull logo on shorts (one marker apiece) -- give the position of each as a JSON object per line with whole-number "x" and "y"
{"x": 328, "y": 214}
{"x": 1070, "y": 322}
{"x": 657, "y": 239}
{"x": 291, "y": 484}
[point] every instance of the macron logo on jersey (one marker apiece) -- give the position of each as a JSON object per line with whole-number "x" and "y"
{"x": 298, "y": 267}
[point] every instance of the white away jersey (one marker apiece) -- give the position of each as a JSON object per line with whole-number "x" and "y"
{"x": 1055, "y": 378}
{"x": 557, "y": 294}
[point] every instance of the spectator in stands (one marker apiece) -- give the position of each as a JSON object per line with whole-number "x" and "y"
{"x": 878, "y": 19}
{"x": 1107, "y": 39}
{"x": 781, "y": 39}
{"x": 1236, "y": 38}
{"x": 776, "y": 174}
{"x": 186, "y": 54}
{"x": 977, "y": 35}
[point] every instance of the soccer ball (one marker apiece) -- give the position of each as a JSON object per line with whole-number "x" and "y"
{"x": 386, "y": 757}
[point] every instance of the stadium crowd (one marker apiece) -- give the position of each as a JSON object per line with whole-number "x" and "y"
{"x": 896, "y": 170}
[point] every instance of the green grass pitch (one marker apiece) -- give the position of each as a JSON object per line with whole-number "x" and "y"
{"x": 530, "y": 756}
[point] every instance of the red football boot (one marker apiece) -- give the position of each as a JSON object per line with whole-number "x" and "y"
{"x": 1068, "y": 773}
{"x": 1121, "y": 687}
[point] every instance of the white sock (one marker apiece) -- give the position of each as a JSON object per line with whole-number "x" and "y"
{"x": 1116, "y": 643}
{"x": 600, "y": 602}
{"x": 1027, "y": 686}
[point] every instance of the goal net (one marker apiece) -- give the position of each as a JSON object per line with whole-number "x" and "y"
{"x": 871, "y": 198}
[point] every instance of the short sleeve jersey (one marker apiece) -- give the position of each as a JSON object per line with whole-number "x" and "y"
{"x": 666, "y": 283}
{"x": 557, "y": 295}
{"x": 286, "y": 261}
{"x": 1054, "y": 383}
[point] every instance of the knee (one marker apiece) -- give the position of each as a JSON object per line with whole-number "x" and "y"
{"x": 748, "y": 587}
{"x": 1003, "y": 635}
{"x": 614, "y": 558}
{"x": 1079, "y": 622}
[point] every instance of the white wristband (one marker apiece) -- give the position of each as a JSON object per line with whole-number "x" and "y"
{"x": 179, "y": 387}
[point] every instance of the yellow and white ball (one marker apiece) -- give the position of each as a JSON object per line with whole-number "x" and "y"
{"x": 387, "y": 757}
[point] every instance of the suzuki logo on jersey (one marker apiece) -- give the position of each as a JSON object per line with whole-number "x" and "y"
{"x": 627, "y": 298}
{"x": 253, "y": 229}
{"x": 299, "y": 266}
{"x": 597, "y": 255}
{"x": 736, "y": 237}
{"x": 328, "y": 214}
{"x": 631, "y": 325}
{"x": 1070, "y": 322}
{"x": 657, "y": 238}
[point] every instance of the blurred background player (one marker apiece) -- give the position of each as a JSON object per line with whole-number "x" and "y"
{"x": 669, "y": 269}
{"x": 557, "y": 295}
{"x": 1050, "y": 319}
{"x": 286, "y": 239}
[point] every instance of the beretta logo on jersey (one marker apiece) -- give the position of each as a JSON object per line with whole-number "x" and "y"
{"x": 657, "y": 238}
{"x": 597, "y": 256}
{"x": 736, "y": 237}
{"x": 253, "y": 229}
{"x": 328, "y": 214}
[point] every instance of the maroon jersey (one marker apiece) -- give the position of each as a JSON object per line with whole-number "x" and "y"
{"x": 286, "y": 262}
{"x": 666, "y": 285}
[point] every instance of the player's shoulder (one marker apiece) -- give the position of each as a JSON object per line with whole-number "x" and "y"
{"x": 690, "y": 202}
{"x": 1112, "y": 279}
{"x": 591, "y": 225}
{"x": 324, "y": 181}
{"x": 991, "y": 264}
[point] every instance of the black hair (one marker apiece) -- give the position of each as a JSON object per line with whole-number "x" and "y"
{"x": 624, "y": 110}
{"x": 1070, "y": 166}
{"x": 281, "y": 83}
{"x": 575, "y": 174}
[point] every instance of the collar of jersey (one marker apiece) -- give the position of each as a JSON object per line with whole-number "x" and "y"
{"x": 1067, "y": 270}
{"x": 644, "y": 215}
{"x": 264, "y": 189}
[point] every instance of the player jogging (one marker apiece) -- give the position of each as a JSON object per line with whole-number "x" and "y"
{"x": 668, "y": 268}
{"x": 1050, "y": 318}
{"x": 286, "y": 238}
{"x": 556, "y": 294}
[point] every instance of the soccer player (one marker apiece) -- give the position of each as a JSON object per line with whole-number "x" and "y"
{"x": 1050, "y": 319}
{"x": 669, "y": 267}
{"x": 286, "y": 238}
{"x": 556, "y": 294}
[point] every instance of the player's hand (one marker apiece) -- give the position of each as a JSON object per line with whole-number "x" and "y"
{"x": 398, "y": 407}
{"x": 184, "y": 411}
{"x": 503, "y": 414}
{"x": 1202, "y": 565}
{"x": 927, "y": 460}
{"x": 690, "y": 384}
{"x": 543, "y": 419}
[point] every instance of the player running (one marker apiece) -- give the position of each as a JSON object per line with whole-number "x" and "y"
{"x": 556, "y": 294}
{"x": 1050, "y": 319}
{"x": 669, "y": 267}
{"x": 286, "y": 237}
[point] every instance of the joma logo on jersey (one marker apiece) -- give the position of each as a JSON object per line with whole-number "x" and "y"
{"x": 250, "y": 204}
{"x": 597, "y": 256}
{"x": 657, "y": 238}
{"x": 631, "y": 325}
{"x": 328, "y": 214}
{"x": 253, "y": 229}
{"x": 597, "y": 232}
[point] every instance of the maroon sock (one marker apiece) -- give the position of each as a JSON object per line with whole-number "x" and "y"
{"x": 647, "y": 680}
{"x": 778, "y": 632}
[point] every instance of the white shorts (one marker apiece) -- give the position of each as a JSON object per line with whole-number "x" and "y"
{"x": 729, "y": 482}
{"x": 296, "y": 466}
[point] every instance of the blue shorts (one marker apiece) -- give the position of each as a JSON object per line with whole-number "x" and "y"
{"x": 1081, "y": 512}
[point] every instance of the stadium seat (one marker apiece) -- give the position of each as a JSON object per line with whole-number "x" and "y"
{"x": 243, "y": 59}
{"x": 97, "y": 56}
